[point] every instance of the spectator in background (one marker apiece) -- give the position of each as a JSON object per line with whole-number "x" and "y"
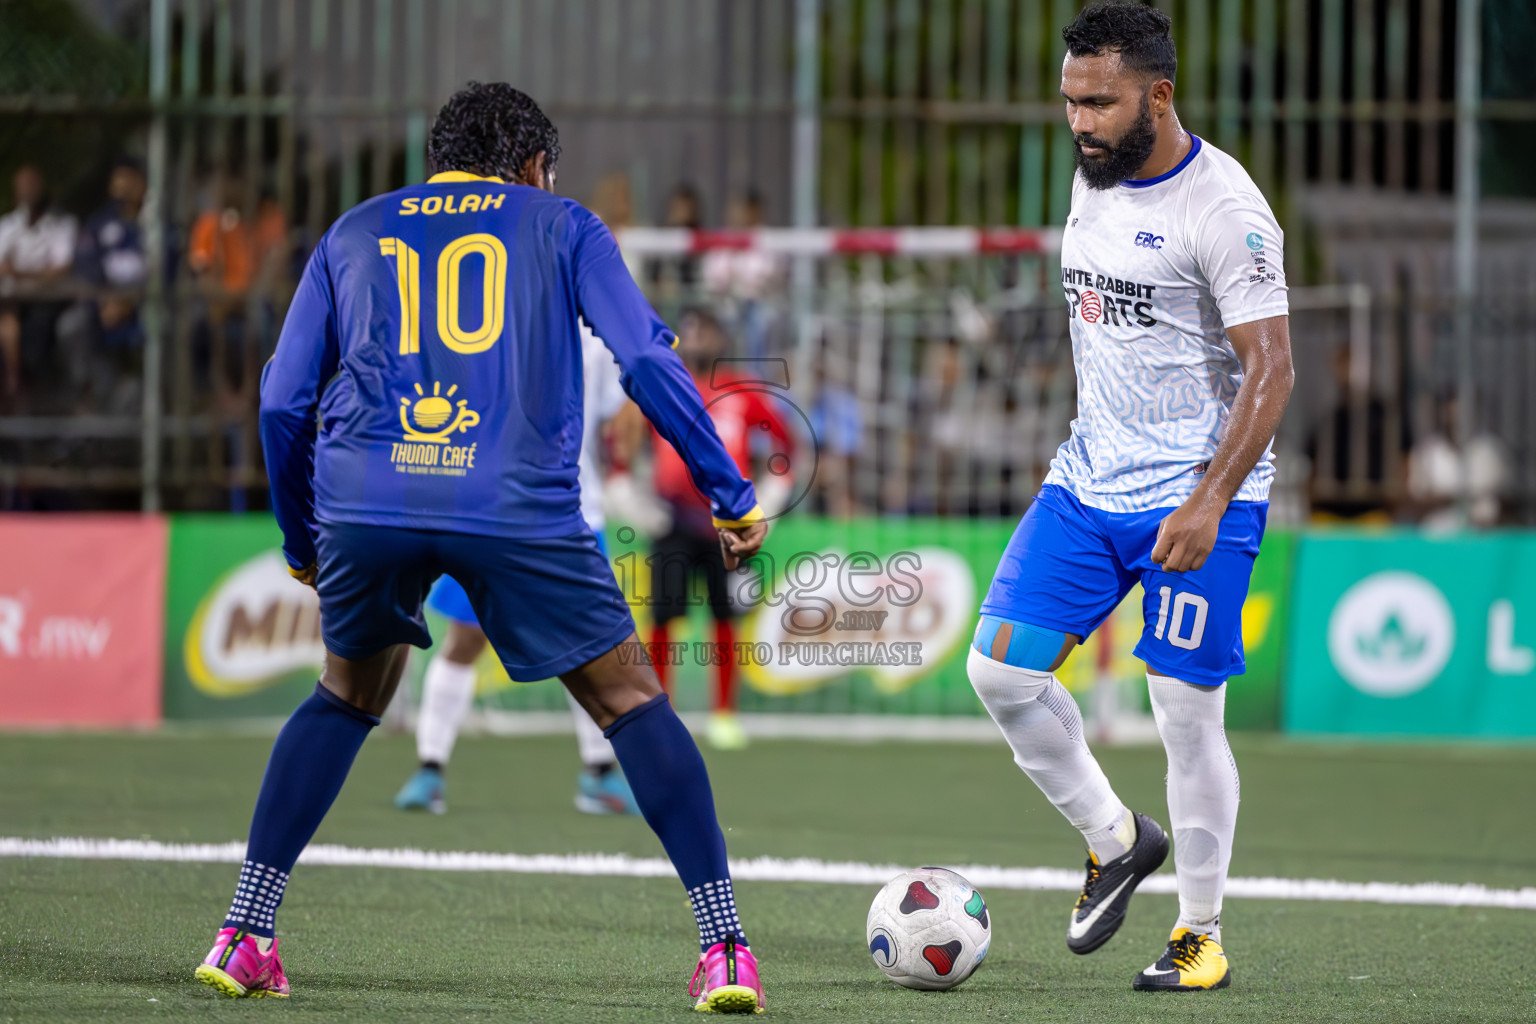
{"x": 1350, "y": 452}
{"x": 683, "y": 211}
{"x": 947, "y": 401}
{"x": 745, "y": 279}
{"x": 102, "y": 333}
{"x": 613, "y": 203}
{"x": 837, "y": 422}
{"x": 37, "y": 244}
{"x": 239, "y": 263}
{"x": 231, "y": 254}
{"x": 1450, "y": 488}
{"x": 683, "y": 208}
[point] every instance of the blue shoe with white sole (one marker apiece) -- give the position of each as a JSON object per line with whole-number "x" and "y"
{"x": 423, "y": 791}
{"x": 606, "y": 793}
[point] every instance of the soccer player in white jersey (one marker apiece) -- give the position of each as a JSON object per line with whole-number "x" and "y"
{"x": 1173, "y": 273}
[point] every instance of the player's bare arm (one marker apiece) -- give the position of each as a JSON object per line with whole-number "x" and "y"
{"x": 1264, "y": 346}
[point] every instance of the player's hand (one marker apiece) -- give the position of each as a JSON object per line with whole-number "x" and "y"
{"x": 305, "y": 576}
{"x": 1187, "y": 536}
{"x": 742, "y": 542}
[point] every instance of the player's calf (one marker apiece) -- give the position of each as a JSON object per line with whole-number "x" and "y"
{"x": 1010, "y": 669}
{"x": 671, "y": 786}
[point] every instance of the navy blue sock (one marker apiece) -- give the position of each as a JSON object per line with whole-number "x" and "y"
{"x": 671, "y": 785}
{"x": 309, "y": 762}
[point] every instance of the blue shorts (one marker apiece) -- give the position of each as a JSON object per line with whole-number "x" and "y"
{"x": 1068, "y": 566}
{"x": 546, "y": 605}
{"x": 449, "y": 599}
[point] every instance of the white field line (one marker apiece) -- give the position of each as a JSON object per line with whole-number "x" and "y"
{"x": 761, "y": 869}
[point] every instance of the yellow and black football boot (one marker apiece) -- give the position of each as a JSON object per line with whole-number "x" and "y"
{"x": 1191, "y": 963}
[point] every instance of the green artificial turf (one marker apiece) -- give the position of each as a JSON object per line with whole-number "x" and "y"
{"x": 117, "y": 941}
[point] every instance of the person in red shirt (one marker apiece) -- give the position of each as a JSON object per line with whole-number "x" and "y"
{"x": 755, "y": 435}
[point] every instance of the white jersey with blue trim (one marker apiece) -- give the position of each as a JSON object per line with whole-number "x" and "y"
{"x": 602, "y": 398}
{"x": 1155, "y": 272}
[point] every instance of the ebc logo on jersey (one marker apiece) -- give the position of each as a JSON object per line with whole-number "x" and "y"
{"x": 1147, "y": 240}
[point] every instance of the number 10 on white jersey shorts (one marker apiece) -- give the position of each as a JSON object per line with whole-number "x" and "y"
{"x": 1069, "y": 565}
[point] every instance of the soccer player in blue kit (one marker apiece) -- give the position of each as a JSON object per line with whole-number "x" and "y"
{"x": 422, "y": 415}
{"x": 1173, "y": 272}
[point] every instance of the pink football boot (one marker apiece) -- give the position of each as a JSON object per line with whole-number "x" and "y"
{"x": 236, "y": 967}
{"x": 730, "y": 981}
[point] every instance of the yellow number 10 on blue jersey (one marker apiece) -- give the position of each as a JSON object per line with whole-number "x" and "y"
{"x": 493, "y": 294}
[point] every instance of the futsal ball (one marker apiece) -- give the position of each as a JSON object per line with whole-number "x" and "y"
{"x": 928, "y": 929}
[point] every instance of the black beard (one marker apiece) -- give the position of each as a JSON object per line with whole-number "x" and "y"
{"x": 1119, "y": 161}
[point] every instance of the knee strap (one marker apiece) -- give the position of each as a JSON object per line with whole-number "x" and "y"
{"x": 1029, "y": 647}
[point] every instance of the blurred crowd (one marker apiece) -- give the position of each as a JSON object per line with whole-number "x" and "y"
{"x": 72, "y": 295}
{"x": 69, "y": 294}
{"x": 1370, "y": 467}
{"x": 960, "y": 416}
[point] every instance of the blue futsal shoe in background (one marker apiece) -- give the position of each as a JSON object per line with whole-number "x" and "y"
{"x": 605, "y": 793}
{"x": 423, "y": 791}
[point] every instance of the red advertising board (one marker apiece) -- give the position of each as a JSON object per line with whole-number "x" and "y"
{"x": 82, "y": 609}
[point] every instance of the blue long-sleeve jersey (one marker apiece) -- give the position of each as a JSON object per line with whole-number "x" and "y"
{"x": 429, "y": 372}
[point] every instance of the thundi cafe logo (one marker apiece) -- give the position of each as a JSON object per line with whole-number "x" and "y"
{"x": 434, "y": 415}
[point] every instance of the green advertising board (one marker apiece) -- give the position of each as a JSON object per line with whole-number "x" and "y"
{"x": 242, "y": 637}
{"x": 868, "y": 616}
{"x": 799, "y": 648}
{"x": 1253, "y": 698}
{"x": 1406, "y": 634}
{"x": 911, "y": 585}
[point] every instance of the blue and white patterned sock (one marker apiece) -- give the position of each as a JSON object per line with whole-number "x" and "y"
{"x": 714, "y": 908}
{"x": 257, "y": 895}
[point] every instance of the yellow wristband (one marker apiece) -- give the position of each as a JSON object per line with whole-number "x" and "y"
{"x": 751, "y": 518}
{"x": 299, "y": 574}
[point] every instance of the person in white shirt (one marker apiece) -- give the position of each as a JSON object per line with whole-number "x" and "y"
{"x": 1453, "y": 486}
{"x": 1172, "y": 268}
{"x": 37, "y": 246}
{"x": 745, "y": 281}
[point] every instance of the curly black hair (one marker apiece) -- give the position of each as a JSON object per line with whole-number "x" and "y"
{"x": 492, "y": 129}
{"x": 1142, "y": 35}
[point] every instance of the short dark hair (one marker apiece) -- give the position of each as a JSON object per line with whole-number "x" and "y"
{"x": 493, "y": 129}
{"x": 1141, "y": 35}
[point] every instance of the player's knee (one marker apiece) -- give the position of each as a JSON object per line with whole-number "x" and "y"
{"x": 1019, "y": 644}
{"x": 1187, "y": 713}
{"x": 1003, "y": 686}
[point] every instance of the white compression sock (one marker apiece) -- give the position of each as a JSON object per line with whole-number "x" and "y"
{"x": 1202, "y": 794}
{"x": 590, "y": 741}
{"x": 447, "y": 690}
{"x": 1042, "y": 724}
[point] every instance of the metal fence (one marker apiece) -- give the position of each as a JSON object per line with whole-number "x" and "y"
{"x": 260, "y": 121}
{"x": 935, "y": 366}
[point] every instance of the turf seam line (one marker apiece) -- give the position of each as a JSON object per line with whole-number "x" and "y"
{"x": 759, "y": 869}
